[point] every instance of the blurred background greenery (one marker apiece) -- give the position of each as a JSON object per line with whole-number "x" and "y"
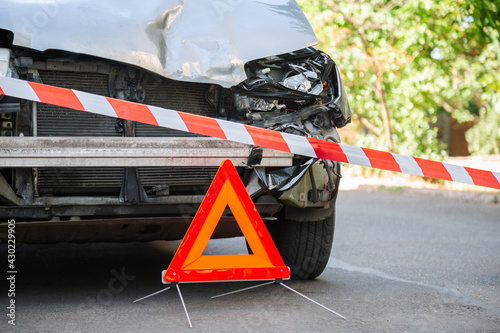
{"x": 422, "y": 76}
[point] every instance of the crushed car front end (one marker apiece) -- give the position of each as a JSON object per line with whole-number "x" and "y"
{"x": 71, "y": 176}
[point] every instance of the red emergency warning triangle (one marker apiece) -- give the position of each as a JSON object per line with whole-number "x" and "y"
{"x": 189, "y": 265}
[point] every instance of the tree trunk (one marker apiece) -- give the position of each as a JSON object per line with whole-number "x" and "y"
{"x": 379, "y": 90}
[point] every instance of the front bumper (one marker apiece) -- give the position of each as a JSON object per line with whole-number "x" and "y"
{"x": 36, "y": 152}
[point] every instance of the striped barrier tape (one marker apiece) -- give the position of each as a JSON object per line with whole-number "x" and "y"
{"x": 251, "y": 135}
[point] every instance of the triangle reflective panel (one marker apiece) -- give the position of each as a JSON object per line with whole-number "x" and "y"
{"x": 190, "y": 265}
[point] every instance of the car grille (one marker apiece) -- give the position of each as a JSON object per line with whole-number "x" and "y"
{"x": 58, "y": 121}
{"x": 108, "y": 181}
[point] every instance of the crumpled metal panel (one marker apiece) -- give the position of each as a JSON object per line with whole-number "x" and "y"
{"x": 198, "y": 41}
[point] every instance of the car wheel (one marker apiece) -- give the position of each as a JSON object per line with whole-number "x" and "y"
{"x": 305, "y": 246}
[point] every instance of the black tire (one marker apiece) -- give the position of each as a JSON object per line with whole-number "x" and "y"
{"x": 306, "y": 246}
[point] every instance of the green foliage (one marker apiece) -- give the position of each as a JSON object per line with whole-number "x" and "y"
{"x": 418, "y": 58}
{"x": 484, "y": 137}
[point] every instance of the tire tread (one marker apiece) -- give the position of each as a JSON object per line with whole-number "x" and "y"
{"x": 305, "y": 246}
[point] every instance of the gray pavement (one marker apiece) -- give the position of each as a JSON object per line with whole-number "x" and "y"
{"x": 402, "y": 262}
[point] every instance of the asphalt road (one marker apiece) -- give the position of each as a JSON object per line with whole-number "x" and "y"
{"x": 400, "y": 263}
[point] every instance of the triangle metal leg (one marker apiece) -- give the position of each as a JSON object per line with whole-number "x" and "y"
{"x": 155, "y": 293}
{"x": 278, "y": 281}
{"x": 324, "y": 307}
{"x": 183, "y": 305}
{"x": 248, "y": 288}
{"x": 180, "y": 295}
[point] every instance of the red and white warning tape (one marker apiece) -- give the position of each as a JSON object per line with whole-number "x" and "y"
{"x": 228, "y": 130}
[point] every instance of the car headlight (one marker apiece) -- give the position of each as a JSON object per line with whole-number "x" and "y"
{"x": 303, "y": 80}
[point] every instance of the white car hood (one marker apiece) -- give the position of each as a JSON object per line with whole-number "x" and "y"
{"x": 198, "y": 41}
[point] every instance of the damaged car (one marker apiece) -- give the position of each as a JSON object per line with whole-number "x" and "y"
{"x": 72, "y": 176}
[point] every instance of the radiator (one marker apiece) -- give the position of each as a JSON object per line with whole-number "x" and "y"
{"x": 108, "y": 181}
{"x": 58, "y": 121}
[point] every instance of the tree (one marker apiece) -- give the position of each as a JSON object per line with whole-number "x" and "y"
{"x": 406, "y": 62}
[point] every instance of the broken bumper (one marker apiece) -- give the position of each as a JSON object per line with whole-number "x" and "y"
{"x": 33, "y": 152}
